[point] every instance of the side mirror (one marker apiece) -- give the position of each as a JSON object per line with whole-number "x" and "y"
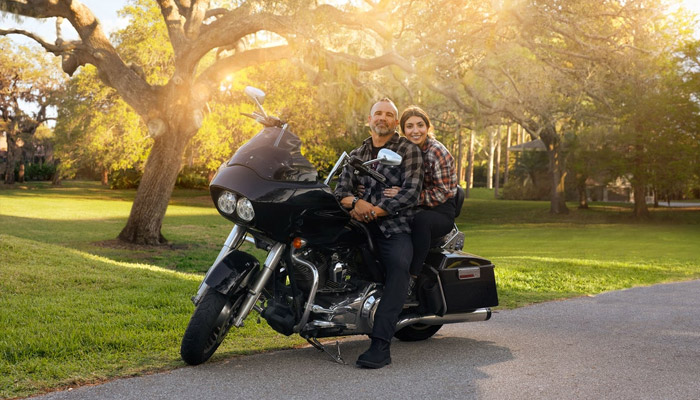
{"x": 386, "y": 157}
{"x": 256, "y": 94}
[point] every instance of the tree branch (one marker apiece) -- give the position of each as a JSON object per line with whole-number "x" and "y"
{"x": 227, "y": 65}
{"x": 171, "y": 14}
{"x": 51, "y": 48}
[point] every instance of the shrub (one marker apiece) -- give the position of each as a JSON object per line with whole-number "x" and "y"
{"x": 125, "y": 178}
{"x": 192, "y": 178}
{"x": 36, "y": 172}
{"x": 518, "y": 190}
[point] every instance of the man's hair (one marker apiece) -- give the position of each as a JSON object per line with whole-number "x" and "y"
{"x": 388, "y": 100}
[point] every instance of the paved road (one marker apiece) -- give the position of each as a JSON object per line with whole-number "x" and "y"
{"x": 642, "y": 343}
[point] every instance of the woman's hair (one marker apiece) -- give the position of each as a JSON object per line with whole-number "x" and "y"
{"x": 415, "y": 111}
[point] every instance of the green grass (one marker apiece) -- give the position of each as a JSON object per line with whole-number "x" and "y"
{"x": 542, "y": 257}
{"x": 78, "y": 307}
{"x": 68, "y": 318}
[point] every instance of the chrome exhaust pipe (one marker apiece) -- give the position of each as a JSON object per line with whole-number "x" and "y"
{"x": 480, "y": 314}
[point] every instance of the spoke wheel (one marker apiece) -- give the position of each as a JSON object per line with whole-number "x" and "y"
{"x": 208, "y": 326}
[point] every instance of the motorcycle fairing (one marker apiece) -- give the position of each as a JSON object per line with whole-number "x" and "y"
{"x": 275, "y": 155}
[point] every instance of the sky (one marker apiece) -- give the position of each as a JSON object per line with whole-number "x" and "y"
{"x": 106, "y": 12}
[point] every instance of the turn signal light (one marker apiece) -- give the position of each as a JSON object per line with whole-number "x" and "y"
{"x": 298, "y": 243}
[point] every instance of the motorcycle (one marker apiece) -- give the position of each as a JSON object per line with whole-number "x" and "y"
{"x": 321, "y": 277}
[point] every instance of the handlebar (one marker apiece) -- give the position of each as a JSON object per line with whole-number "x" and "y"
{"x": 360, "y": 168}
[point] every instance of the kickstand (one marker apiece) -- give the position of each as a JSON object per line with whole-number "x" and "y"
{"x": 319, "y": 346}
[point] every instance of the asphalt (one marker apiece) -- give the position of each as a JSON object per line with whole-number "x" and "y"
{"x": 640, "y": 343}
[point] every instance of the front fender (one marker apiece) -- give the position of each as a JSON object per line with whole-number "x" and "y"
{"x": 226, "y": 276}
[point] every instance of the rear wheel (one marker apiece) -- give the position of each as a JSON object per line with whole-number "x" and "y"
{"x": 416, "y": 332}
{"x": 208, "y": 326}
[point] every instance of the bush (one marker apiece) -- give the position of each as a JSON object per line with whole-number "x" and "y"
{"x": 125, "y": 178}
{"x": 518, "y": 190}
{"x": 192, "y": 178}
{"x": 36, "y": 172}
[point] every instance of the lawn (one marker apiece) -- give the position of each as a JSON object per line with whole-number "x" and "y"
{"x": 77, "y": 307}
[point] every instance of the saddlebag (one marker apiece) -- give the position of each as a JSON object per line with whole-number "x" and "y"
{"x": 468, "y": 281}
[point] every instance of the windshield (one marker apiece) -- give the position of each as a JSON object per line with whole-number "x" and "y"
{"x": 275, "y": 154}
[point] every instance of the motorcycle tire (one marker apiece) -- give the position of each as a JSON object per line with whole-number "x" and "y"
{"x": 208, "y": 326}
{"x": 416, "y": 332}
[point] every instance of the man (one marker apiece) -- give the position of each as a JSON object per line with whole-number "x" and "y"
{"x": 387, "y": 219}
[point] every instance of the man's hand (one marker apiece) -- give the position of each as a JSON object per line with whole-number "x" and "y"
{"x": 392, "y": 191}
{"x": 364, "y": 211}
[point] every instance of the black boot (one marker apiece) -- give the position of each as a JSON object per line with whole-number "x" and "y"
{"x": 377, "y": 356}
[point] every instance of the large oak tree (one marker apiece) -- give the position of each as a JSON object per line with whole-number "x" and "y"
{"x": 228, "y": 36}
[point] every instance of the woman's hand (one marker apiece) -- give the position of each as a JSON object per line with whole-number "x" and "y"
{"x": 392, "y": 191}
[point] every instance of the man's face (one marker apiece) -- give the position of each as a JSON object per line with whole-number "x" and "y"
{"x": 382, "y": 120}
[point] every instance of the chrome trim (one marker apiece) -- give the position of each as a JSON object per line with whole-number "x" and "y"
{"x": 468, "y": 273}
{"x": 442, "y": 292}
{"x": 232, "y": 242}
{"x": 453, "y": 240}
{"x": 335, "y": 167}
{"x": 336, "y": 310}
{"x": 480, "y": 314}
{"x": 312, "y": 292}
{"x": 273, "y": 257}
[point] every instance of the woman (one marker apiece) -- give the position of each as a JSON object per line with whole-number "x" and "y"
{"x": 436, "y": 208}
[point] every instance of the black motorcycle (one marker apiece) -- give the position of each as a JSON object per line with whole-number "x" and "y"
{"x": 321, "y": 277}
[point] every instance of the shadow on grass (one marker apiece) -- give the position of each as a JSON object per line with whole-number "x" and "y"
{"x": 69, "y": 317}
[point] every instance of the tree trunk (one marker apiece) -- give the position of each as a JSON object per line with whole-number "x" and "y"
{"x": 492, "y": 148}
{"x": 470, "y": 164}
{"x": 640, "y": 175}
{"x": 10, "y": 164}
{"x": 497, "y": 183}
{"x": 640, "y": 201}
{"x": 20, "y": 175}
{"x": 508, "y": 139}
{"x": 557, "y": 171}
{"x": 581, "y": 189}
{"x": 105, "y": 177}
{"x": 460, "y": 148}
{"x": 56, "y": 178}
{"x": 155, "y": 189}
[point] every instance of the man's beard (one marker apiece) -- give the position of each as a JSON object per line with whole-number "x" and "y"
{"x": 382, "y": 130}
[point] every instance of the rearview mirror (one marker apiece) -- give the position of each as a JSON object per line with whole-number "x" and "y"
{"x": 256, "y": 94}
{"x": 386, "y": 157}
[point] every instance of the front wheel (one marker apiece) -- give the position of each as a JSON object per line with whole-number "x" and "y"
{"x": 416, "y": 332}
{"x": 208, "y": 326}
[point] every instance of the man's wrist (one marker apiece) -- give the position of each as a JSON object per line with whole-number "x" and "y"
{"x": 354, "y": 202}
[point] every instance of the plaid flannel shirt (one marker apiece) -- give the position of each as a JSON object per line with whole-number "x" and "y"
{"x": 408, "y": 176}
{"x": 440, "y": 178}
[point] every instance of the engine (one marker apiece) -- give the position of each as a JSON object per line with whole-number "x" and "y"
{"x": 346, "y": 299}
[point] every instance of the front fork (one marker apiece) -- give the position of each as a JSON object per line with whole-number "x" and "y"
{"x": 273, "y": 257}
{"x": 237, "y": 235}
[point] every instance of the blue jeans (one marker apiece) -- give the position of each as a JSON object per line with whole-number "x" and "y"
{"x": 395, "y": 254}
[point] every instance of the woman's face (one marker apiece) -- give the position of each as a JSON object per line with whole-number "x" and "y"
{"x": 416, "y": 130}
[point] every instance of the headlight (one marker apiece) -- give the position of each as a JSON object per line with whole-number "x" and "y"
{"x": 245, "y": 209}
{"x": 227, "y": 202}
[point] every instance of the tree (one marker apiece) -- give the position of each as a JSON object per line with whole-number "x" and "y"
{"x": 651, "y": 95}
{"x": 95, "y": 130}
{"x": 207, "y": 44}
{"x": 28, "y": 82}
